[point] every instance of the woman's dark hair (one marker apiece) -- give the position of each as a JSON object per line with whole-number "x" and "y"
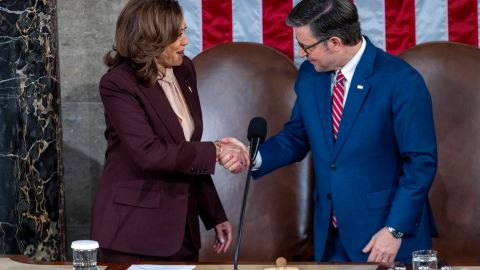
{"x": 328, "y": 18}
{"x": 144, "y": 28}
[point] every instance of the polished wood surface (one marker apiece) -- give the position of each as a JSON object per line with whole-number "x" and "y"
{"x": 24, "y": 263}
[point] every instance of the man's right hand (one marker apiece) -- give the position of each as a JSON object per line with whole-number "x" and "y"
{"x": 232, "y": 155}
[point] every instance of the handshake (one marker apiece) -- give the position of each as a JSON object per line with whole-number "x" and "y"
{"x": 232, "y": 154}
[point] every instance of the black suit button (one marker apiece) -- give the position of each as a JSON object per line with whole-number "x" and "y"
{"x": 333, "y": 166}
{"x": 329, "y": 196}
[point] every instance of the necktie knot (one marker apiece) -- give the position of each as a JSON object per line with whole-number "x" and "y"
{"x": 339, "y": 78}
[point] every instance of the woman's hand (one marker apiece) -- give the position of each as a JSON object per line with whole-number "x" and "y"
{"x": 233, "y": 155}
{"x": 223, "y": 237}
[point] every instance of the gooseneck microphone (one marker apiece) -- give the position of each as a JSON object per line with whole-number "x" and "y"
{"x": 257, "y": 131}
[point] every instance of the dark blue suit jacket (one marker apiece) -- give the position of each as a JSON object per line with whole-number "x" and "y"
{"x": 380, "y": 169}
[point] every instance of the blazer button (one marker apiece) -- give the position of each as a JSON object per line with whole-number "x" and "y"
{"x": 329, "y": 196}
{"x": 333, "y": 166}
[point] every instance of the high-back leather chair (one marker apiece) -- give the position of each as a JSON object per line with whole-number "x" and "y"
{"x": 237, "y": 82}
{"x": 451, "y": 72}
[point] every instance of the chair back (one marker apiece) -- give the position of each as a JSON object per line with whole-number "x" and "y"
{"x": 451, "y": 72}
{"x": 237, "y": 82}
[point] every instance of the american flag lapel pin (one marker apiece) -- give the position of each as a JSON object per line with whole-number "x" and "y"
{"x": 359, "y": 87}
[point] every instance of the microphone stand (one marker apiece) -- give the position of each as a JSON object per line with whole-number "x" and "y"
{"x": 256, "y": 144}
{"x": 242, "y": 215}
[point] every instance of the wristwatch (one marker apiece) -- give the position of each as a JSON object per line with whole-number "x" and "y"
{"x": 396, "y": 233}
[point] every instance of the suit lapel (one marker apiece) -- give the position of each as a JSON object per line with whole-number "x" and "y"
{"x": 190, "y": 96}
{"x": 324, "y": 99}
{"x": 160, "y": 104}
{"x": 358, "y": 91}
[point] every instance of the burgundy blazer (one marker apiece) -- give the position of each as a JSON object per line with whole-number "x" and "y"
{"x": 150, "y": 171}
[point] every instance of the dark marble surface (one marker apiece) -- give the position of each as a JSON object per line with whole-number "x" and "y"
{"x": 31, "y": 189}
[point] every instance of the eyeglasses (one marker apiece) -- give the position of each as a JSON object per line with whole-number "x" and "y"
{"x": 309, "y": 48}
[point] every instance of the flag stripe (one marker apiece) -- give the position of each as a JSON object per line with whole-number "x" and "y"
{"x": 399, "y": 25}
{"x": 216, "y": 22}
{"x": 247, "y": 20}
{"x": 431, "y": 27}
{"x": 391, "y": 25}
{"x": 463, "y": 21}
{"x": 296, "y": 58}
{"x": 275, "y": 32}
{"x": 372, "y": 20}
{"x": 192, "y": 12}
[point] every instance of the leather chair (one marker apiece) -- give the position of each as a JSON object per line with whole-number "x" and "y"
{"x": 237, "y": 82}
{"x": 451, "y": 72}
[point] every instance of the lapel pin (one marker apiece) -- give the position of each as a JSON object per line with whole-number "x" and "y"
{"x": 190, "y": 89}
{"x": 359, "y": 87}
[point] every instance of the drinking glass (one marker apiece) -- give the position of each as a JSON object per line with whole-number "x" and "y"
{"x": 84, "y": 254}
{"x": 424, "y": 260}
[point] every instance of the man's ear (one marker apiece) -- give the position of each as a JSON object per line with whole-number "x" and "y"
{"x": 336, "y": 42}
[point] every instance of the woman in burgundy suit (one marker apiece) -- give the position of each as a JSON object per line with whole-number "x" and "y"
{"x": 156, "y": 180}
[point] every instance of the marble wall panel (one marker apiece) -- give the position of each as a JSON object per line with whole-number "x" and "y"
{"x": 86, "y": 31}
{"x": 83, "y": 127}
{"x": 31, "y": 215}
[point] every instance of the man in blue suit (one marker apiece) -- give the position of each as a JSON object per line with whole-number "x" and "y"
{"x": 375, "y": 157}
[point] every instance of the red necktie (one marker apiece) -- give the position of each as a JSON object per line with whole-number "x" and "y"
{"x": 338, "y": 95}
{"x": 337, "y": 102}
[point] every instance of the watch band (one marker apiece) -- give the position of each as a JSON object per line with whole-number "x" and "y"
{"x": 396, "y": 233}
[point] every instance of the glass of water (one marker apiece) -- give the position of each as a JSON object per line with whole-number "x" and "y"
{"x": 84, "y": 255}
{"x": 424, "y": 260}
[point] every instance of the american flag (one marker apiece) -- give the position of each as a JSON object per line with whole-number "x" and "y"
{"x": 394, "y": 25}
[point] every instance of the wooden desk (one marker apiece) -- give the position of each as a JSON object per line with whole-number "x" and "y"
{"x": 20, "y": 262}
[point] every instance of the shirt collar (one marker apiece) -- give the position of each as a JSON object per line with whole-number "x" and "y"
{"x": 349, "y": 69}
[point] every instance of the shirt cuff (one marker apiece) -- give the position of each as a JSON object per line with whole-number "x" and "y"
{"x": 258, "y": 162}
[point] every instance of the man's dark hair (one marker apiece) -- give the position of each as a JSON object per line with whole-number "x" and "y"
{"x": 328, "y": 18}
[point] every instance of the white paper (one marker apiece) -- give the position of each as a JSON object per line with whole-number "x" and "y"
{"x": 160, "y": 267}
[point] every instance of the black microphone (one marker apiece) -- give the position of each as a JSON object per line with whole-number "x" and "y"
{"x": 257, "y": 131}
